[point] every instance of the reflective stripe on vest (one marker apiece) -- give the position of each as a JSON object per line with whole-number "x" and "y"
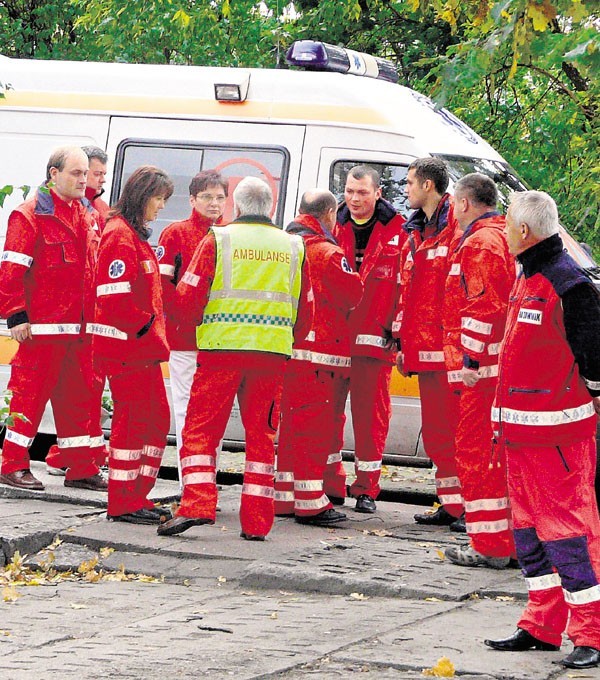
{"x": 55, "y": 328}
{"x": 16, "y": 258}
{"x": 105, "y": 331}
{"x": 374, "y": 340}
{"x": 254, "y": 295}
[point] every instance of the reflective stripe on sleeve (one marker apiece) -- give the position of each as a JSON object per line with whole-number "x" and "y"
{"x": 373, "y": 340}
{"x": 191, "y": 279}
{"x": 16, "y": 258}
{"x": 545, "y": 418}
{"x": 470, "y": 343}
{"x": 334, "y": 457}
{"x": 471, "y": 324}
{"x": 113, "y": 288}
{"x": 199, "y": 459}
{"x": 259, "y": 468}
{"x": 582, "y": 596}
{"x": 544, "y": 582}
{"x": 55, "y": 328}
{"x": 199, "y": 478}
{"x": 18, "y": 439}
{"x": 592, "y": 384}
{"x": 105, "y": 331}
{"x": 166, "y": 269}
{"x": 258, "y": 490}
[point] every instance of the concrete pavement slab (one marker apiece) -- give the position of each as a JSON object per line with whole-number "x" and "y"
{"x": 458, "y": 634}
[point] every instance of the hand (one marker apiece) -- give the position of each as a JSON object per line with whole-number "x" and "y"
{"x": 469, "y": 376}
{"x": 400, "y": 365}
{"x": 21, "y": 332}
{"x": 596, "y": 402}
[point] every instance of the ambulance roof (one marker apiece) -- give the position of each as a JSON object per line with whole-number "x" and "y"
{"x": 277, "y": 96}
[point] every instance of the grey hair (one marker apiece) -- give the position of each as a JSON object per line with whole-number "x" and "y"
{"x": 537, "y": 210}
{"x": 95, "y": 152}
{"x": 253, "y": 196}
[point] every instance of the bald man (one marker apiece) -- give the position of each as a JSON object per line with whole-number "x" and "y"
{"x": 317, "y": 377}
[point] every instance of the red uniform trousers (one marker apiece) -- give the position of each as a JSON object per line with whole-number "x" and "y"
{"x": 371, "y": 410}
{"x": 482, "y": 473}
{"x": 256, "y": 378}
{"x": 140, "y": 425}
{"x": 557, "y": 536}
{"x": 55, "y": 458}
{"x": 439, "y": 414}
{"x": 307, "y": 432}
{"x": 59, "y": 371}
{"x": 334, "y": 478}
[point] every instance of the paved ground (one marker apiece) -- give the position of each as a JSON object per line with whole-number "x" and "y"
{"x": 372, "y": 599}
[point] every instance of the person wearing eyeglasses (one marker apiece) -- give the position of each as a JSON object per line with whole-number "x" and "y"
{"x": 176, "y": 246}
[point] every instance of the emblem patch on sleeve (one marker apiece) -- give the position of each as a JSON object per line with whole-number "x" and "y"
{"x": 160, "y": 251}
{"x": 116, "y": 269}
{"x": 345, "y": 266}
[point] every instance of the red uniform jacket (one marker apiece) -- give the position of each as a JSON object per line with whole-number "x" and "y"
{"x": 371, "y": 321}
{"x": 176, "y": 247}
{"x": 48, "y": 263}
{"x": 100, "y": 206}
{"x": 337, "y": 290}
{"x": 194, "y": 288}
{"x": 541, "y": 396}
{"x": 481, "y": 276}
{"x": 129, "y": 325}
{"x": 424, "y": 269}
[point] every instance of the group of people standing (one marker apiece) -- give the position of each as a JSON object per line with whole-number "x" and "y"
{"x": 291, "y": 322}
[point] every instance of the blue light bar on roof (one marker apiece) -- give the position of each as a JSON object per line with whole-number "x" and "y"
{"x": 314, "y": 55}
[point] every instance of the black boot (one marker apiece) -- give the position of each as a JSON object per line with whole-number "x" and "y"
{"x": 521, "y": 641}
{"x": 582, "y": 657}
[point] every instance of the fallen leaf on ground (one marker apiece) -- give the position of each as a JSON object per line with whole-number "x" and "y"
{"x": 359, "y": 596}
{"x": 76, "y": 605}
{"x": 440, "y": 554}
{"x": 222, "y": 579}
{"x": 106, "y": 551}
{"x": 444, "y": 668}
{"x": 505, "y": 598}
{"x": 10, "y": 594}
{"x": 274, "y": 615}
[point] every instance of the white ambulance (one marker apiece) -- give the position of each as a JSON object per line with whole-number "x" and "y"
{"x": 294, "y": 128}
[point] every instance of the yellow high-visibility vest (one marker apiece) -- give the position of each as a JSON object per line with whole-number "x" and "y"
{"x": 253, "y": 300}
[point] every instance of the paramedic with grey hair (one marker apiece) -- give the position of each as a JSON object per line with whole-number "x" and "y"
{"x": 247, "y": 289}
{"x": 545, "y": 416}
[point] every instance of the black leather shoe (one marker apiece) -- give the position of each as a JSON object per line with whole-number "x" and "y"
{"x": 179, "y": 524}
{"x": 582, "y": 657}
{"x": 323, "y": 519}
{"x": 365, "y": 504}
{"x": 93, "y": 483}
{"x": 439, "y": 518}
{"x": 163, "y": 513}
{"x": 252, "y": 537}
{"x": 336, "y": 500}
{"x": 142, "y": 516}
{"x": 459, "y": 526}
{"x": 521, "y": 641}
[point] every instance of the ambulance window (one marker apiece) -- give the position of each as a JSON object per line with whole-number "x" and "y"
{"x": 393, "y": 181}
{"x": 182, "y": 161}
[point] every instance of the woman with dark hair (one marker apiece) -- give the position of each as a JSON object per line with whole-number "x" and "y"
{"x": 130, "y": 343}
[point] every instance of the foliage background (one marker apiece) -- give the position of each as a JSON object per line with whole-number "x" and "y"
{"x": 522, "y": 73}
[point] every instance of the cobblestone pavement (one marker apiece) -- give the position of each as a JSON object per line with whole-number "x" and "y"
{"x": 371, "y": 599}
